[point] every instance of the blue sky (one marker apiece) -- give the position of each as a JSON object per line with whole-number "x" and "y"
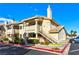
{"x": 63, "y": 13}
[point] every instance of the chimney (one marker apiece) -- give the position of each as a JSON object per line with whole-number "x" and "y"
{"x": 49, "y": 12}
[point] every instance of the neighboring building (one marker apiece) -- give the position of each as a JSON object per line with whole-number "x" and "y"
{"x": 69, "y": 36}
{"x": 9, "y": 29}
{"x": 39, "y": 27}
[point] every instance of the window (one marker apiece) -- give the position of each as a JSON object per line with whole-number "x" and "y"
{"x": 20, "y": 35}
{"x": 32, "y": 34}
{"x": 20, "y": 27}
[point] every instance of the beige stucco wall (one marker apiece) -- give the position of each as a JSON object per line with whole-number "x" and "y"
{"x": 27, "y": 29}
{"x": 46, "y": 25}
{"x": 62, "y": 35}
{"x": 53, "y": 27}
{"x": 54, "y": 36}
{"x": 21, "y": 31}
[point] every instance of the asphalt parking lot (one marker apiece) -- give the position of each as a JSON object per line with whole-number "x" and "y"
{"x": 74, "y": 49}
{"x": 13, "y": 50}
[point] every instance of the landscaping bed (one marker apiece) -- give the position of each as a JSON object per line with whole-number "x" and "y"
{"x": 43, "y": 47}
{"x": 37, "y": 45}
{"x": 50, "y": 48}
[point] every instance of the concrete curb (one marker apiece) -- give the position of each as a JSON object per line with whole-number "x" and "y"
{"x": 41, "y": 49}
{"x": 66, "y": 50}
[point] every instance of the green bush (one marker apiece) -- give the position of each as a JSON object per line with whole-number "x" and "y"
{"x": 33, "y": 41}
{"x": 5, "y": 39}
{"x": 36, "y": 41}
{"x": 1, "y": 40}
{"x": 46, "y": 43}
{"x": 19, "y": 41}
{"x": 15, "y": 39}
{"x": 42, "y": 43}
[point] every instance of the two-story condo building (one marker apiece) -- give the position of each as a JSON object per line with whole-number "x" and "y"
{"x": 43, "y": 28}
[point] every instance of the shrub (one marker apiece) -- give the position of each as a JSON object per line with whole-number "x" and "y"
{"x": 14, "y": 38}
{"x": 36, "y": 41}
{"x": 42, "y": 43}
{"x": 19, "y": 41}
{"x": 33, "y": 41}
{"x": 46, "y": 43}
{"x": 16, "y": 41}
{"x": 5, "y": 39}
{"x": 1, "y": 40}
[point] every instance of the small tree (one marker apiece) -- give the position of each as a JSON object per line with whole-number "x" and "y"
{"x": 72, "y": 32}
{"x": 75, "y": 33}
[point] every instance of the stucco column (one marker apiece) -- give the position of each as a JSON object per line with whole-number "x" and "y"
{"x": 36, "y": 27}
{"x": 12, "y": 27}
{"x": 24, "y": 28}
{"x": 5, "y": 28}
{"x": 24, "y": 25}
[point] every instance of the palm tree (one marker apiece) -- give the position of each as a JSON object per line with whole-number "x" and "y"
{"x": 72, "y": 32}
{"x": 75, "y": 33}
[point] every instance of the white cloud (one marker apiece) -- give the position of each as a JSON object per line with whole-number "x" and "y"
{"x": 3, "y": 20}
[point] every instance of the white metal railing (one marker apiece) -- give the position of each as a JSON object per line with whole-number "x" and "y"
{"x": 12, "y": 31}
{"x": 48, "y": 37}
{"x": 29, "y": 28}
{"x": 9, "y": 31}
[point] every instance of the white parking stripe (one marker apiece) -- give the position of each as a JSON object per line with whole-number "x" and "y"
{"x": 74, "y": 50}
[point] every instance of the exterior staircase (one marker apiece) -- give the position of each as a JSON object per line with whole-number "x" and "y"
{"x": 52, "y": 40}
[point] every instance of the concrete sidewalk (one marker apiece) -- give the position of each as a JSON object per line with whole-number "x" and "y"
{"x": 63, "y": 51}
{"x": 66, "y": 51}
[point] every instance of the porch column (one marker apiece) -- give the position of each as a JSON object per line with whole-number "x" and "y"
{"x": 36, "y": 27}
{"x": 5, "y": 28}
{"x": 24, "y": 25}
{"x": 13, "y": 31}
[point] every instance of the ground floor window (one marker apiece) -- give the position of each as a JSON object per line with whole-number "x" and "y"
{"x": 20, "y": 35}
{"x": 32, "y": 34}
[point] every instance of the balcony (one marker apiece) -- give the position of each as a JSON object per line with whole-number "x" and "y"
{"x": 27, "y": 29}
{"x": 30, "y": 28}
{"x": 12, "y": 31}
{"x": 9, "y": 31}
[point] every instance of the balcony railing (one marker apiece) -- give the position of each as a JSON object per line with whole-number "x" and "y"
{"x": 12, "y": 31}
{"x": 29, "y": 28}
{"x": 9, "y": 31}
